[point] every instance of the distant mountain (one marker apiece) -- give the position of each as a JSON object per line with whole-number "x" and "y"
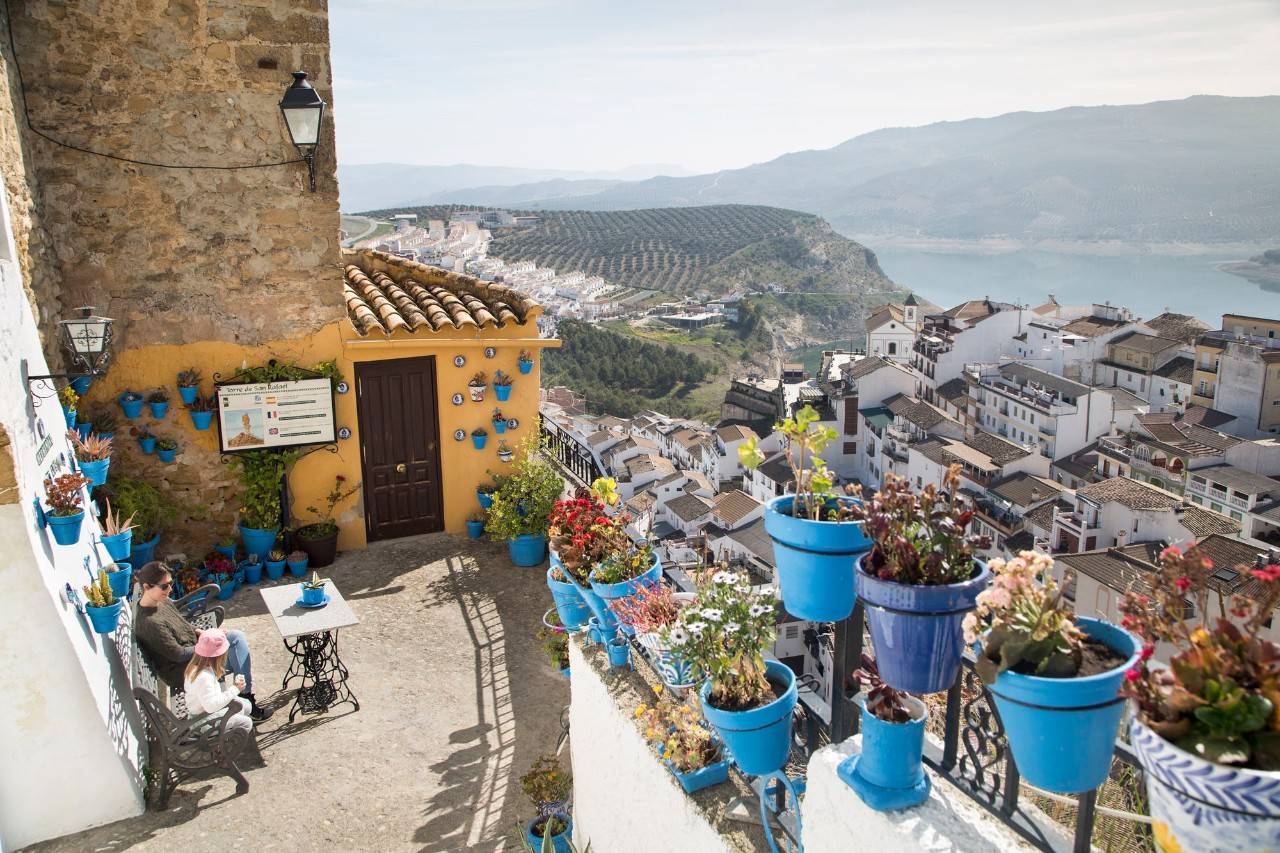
{"x": 1204, "y": 169}
{"x": 380, "y": 185}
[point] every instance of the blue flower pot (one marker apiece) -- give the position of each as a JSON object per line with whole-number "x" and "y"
{"x": 228, "y": 551}
{"x": 499, "y": 427}
{"x": 916, "y": 630}
{"x": 559, "y": 842}
{"x": 258, "y": 541}
{"x": 814, "y": 560}
{"x": 759, "y": 739}
{"x": 102, "y": 434}
{"x": 297, "y": 568}
{"x": 475, "y": 529}
{"x": 526, "y": 367}
{"x": 69, "y": 415}
{"x": 485, "y": 498}
{"x": 84, "y": 429}
{"x": 131, "y": 408}
{"x": 65, "y": 528}
{"x": 104, "y": 619}
{"x": 703, "y": 777}
{"x": 600, "y": 611}
{"x": 226, "y": 590}
{"x": 81, "y": 385}
{"x": 252, "y": 572}
{"x": 594, "y": 632}
{"x": 167, "y": 455}
{"x": 479, "y": 441}
{"x": 188, "y": 393}
{"x": 888, "y": 773}
{"x": 527, "y": 549}
{"x": 275, "y": 569}
{"x": 565, "y": 672}
{"x": 610, "y": 592}
{"x": 570, "y": 607}
{"x": 201, "y": 420}
{"x": 1063, "y": 730}
{"x": 313, "y": 596}
{"x": 120, "y": 580}
{"x": 144, "y": 552}
{"x": 502, "y": 392}
{"x": 96, "y": 471}
{"x": 148, "y": 444}
{"x": 119, "y": 545}
{"x": 619, "y": 652}
{"x": 159, "y": 410}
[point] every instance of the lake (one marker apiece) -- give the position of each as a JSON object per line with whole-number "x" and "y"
{"x": 1147, "y": 284}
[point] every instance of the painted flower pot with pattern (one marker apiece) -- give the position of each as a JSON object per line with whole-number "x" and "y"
{"x": 275, "y": 569}
{"x": 119, "y": 545}
{"x": 477, "y": 392}
{"x": 570, "y": 607}
{"x": 159, "y": 410}
{"x": 104, "y": 619}
{"x": 502, "y": 392}
{"x": 65, "y": 528}
{"x": 888, "y": 774}
{"x": 96, "y": 470}
{"x": 120, "y": 580}
{"x": 527, "y": 549}
{"x": 144, "y": 552}
{"x": 814, "y": 560}
{"x": 760, "y": 739}
{"x": 559, "y": 841}
{"x": 131, "y": 408}
{"x": 672, "y": 667}
{"x": 188, "y": 394}
{"x": 201, "y": 420}
{"x": 258, "y": 540}
{"x": 1063, "y": 730}
{"x": 916, "y": 629}
{"x": 611, "y": 592}
{"x": 475, "y": 529}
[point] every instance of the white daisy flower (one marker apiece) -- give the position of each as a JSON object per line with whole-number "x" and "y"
{"x": 697, "y": 627}
{"x": 713, "y": 614}
{"x": 724, "y": 577}
{"x": 731, "y": 627}
{"x": 758, "y": 610}
{"x": 678, "y": 636}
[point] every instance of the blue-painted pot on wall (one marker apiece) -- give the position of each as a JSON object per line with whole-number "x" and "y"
{"x": 610, "y": 592}
{"x": 144, "y": 552}
{"x": 559, "y": 841}
{"x": 485, "y": 498}
{"x": 502, "y": 392}
{"x": 275, "y": 569}
{"x": 148, "y": 444}
{"x": 201, "y": 420}
{"x": 527, "y": 549}
{"x": 257, "y": 540}
{"x": 104, "y": 619}
{"x": 759, "y": 739}
{"x": 814, "y": 560}
{"x": 96, "y": 470}
{"x": 188, "y": 393}
{"x": 499, "y": 427}
{"x": 888, "y": 773}
{"x": 475, "y": 529}
{"x": 479, "y": 441}
{"x": 119, "y": 545}
{"x": 65, "y": 528}
{"x": 526, "y": 367}
{"x": 570, "y": 607}
{"x": 167, "y": 455}
{"x": 120, "y": 580}
{"x": 69, "y": 415}
{"x": 131, "y": 408}
{"x": 916, "y": 630}
{"x": 81, "y": 385}
{"x": 159, "y": 410}
{"x": 1063, "y": 730}
{"x": 619, "y": 652}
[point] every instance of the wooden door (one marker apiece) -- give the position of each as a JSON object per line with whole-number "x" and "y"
{"x": 399, "y": 447}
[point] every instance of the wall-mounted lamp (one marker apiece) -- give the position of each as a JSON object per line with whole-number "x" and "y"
{"x": 303, "y": 111}
{"x": 87, "y": 340}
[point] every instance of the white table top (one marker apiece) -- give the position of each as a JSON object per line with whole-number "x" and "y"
{"x": 294, "y": 621}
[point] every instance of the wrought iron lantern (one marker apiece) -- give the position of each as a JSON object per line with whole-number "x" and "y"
{"x": 303, "y": 111}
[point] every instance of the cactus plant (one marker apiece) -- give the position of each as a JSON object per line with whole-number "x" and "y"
{"x": 99, "y": 592}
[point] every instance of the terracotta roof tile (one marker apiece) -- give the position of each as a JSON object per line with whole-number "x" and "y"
{"x": 734, "y": 505}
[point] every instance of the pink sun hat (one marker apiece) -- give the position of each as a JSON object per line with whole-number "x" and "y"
{"x": 212, "y": 643}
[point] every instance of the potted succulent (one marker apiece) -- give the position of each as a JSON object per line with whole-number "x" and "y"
{"x": 297, "y": 563}
{"x": 104, "y": 423}
{"x": 919, "y": 580}
{"x": 748, "y": 700}
{"x": 146, "y": 439}
{"x": 1055, "y": 677}
{"x": 548, "y": 787}
{"x": 646, "y": 612}
{"x": 63, "y": 510}
{"x": 93, "y": 454}
{"x": 149, "y": 510}
{"x": 201, "y": 410}
{"x": 119, "y": 576}
{"x": 555, "y": 642}
{"x": 166, "y": 449}
{"x": 526, "y": 361}
{"x": 499, "y": 422}
{"x": 189, "y": 385}
{"x": 683, "y": 742}
{"x": 83, "y": 428}
{"x": 226, "y": 546}
{"x": 620, "y": 575}
{"x": 102, "y": 604}
{"x": 816, "y": 535}
{"x": 69, "y": 399}
{"x": 252, "y": 569}
{"x": 158, "y": 402}
{"x": 320, "y": 538}
{"x": 117, "y": 533}
{"x": 479, "y": 436}
{"x": 582, "y": 535}
{"x": 501, "y": 386}
{"x": 475, "y": 525}
{"x": 275, "y": 564}
{"x": 505, "y": 453}
{"x": 1207, "y": 727}
{"x": 477, "y": 386}
{"x": 131, "y": 404}
{"x": 313, "y": 590}
{"x": 521, "y": 507}
{"x": 888, "y": 773}
{"x": 484, "y": 494}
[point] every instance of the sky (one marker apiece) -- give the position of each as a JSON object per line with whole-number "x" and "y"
{"x": 705, "y": 85}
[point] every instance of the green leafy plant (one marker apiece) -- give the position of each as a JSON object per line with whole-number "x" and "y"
{"x": 555, "y": 642}
{"x": 526, "y": 496}
{"x": 260, "y": 473}
{"x": 314, "y": 582}
{"x": 617, "y": 568}
{"x": 327, "y": 526}
{"x": 479, "y": 380}
{"x": 103, "y": 420}
{"x": 68, "y": 397}
{"x": 143, "y": 502}
{"x": 501, "y": 379}
{"x": 166, "y": 444}
{"x": 189, "y": 378}
{"x": 283, "y": 371}
{"x": 94, "y": 448}
{"x": 812, "y": 480}
{"x": 98, "y": 593}
{"x": 583, "y": 533}
{"x": 64, "y": 494}
{"x": 547, "y": 783}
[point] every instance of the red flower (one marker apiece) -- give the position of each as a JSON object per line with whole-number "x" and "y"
{"x": 1146, "y": 652}
{"x": 1170, "y": 553}
{"x": 1132, "y": 674}
{"x": 340, "y": 478}
{"x": 1270, "y": 574}
{"x": 1183, "y": 583}
{"x": 600, "y": 519}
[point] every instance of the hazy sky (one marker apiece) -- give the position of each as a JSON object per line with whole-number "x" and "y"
{"x": 704, "y": 84}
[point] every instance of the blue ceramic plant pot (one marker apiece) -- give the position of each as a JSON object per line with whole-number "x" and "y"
{"x": 475, "y": 529}
{"x": 258, "y": 541}
{"x": 704, "y": 777}
{"x": 188, "y": 394}
{"x": 201, "y": 420}
{"x": 502, "y": 392}
{"x": 119, "y": 545}
{"x": 252, "y": 572}
{"x": 131, "y": 408}
{"x": 120, "y": 580}
{"x": 814, "y": 560}
{"x": 479, "y": 441}
{"x": 144, "y": 552}
{"x": 65, "y": 528}
{"x": 760, "y": 739}
{"x": 526, "y": 367}
{"x": 83, "y": 429}
{"x": 313, "y": 596}
{"x": 594, "y": 633}
{"x": 147, "y": 444}
{"x": 888, "y": 774}
{"x": 610, "y": 592}
{"x": 275, "y": 569}
{"x": 96, "y": 470}
{"x": 104, "y": 619}
{"x": 159, "y": 410}
{"x": 228, "y": 551}
{"x": 619, "y": 652}
{"x": 81, "y": 385}
{"x": 565, "y": 672}
{"x": 297, "y": 568}
{"x": 69, "y": 415}
{"x": 559, "y": 842}
{"x": 601, "y": 613}
{"x": 570, "y": 607}
{"x": 167, "y": 455}
{"x": 1063, "y": 730}
{"x": 916, "y": 630}
{"x": 499, "y": 427}
{"x": 527, "y": 549}
{"x": 102, "y": 434}
{"x": 226, "y": 590}
{"x": 485, "y": 498}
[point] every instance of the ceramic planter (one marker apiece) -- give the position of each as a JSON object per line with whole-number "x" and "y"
{"x": 252, "y": 572}
{"x": 120, "y": 580}
{"x": 672, "y": 668}
{"x": 527, "y": 549}
{"x": 188, "y": 394}
{"x": 83, "y": 429}
{"x": 313, "y": 595}
{"x": 321, "y": 551}
{"x": 479, "y": 441}
{"x": 888, "y": 773}
{"x": 147, "y": 444}
{"x": 506, "y": 455}
{"x": 603, "y": 616}
{"x": 499, "y": 427}
{"x": 1197, "y": 805}
{"x": 119, "y": 545}
{"x": 610, "y": 592}
{"x": 144, "y": 552}
{"x": 226, "y": 589}
{"x": 703, "y": 777}
{"x": 69, "y": 417}
{"x": 167, "y": 455}
{"x": 201, "y": 420}
{"x": 619, "y": 651}
{"x": 275, "y": 569}
{"x": 485, "y": 498}
{"x": 1063, "y": 730}
{"x": 477, "y": 392}
{"x": 916, "y": 630}
{"x": 594, "y": 632}
{"x": 81, "y": 385}
{"x": 475, "y": 529}
{"x": 814, "y": 560}
{"x": 759, "y": 739}
{"x": 131, "y": 408}
{"x": 228, "y": 551}
{"x": 104, "y": 619}
{"x": 297, "y": 568}
{"x": 96, "y": 470}
{"x": 526, "y": 367}
{"x": 502, "y": 392}
{"x": 65, "y": 528}
{"x": 159, "y": 410}
{"x": 258, "y": 540}
{"x": 559, "y": 841}
{"x": 570, "y": 607}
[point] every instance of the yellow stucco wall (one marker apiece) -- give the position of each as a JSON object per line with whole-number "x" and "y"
{"x": 462, "y": 467}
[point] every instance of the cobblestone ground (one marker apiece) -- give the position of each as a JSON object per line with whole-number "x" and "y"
{"x": 456, "y": 700}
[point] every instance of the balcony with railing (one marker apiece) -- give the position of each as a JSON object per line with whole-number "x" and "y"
{"x": 1114, "y": 448}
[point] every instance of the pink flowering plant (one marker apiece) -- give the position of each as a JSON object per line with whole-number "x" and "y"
{"x": 653, "y": 607}
{"x": 1023, "y": 623}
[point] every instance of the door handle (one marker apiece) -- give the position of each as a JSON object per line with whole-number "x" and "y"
{"x": 400, "y": 468}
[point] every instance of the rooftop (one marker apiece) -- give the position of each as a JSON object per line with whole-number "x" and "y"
{"x": 1092, "y": 327}
{"x": 1180, "y": 327}
{"x": 735, "y": 432}
{"x": 1130, "y": 492}
{"x": 1179, "y": 369}
{"x": 688, "y": 507}
{"x": 734, "y": 505}
{"x": 916, "y": 411}
{"x": 1239, "y": 479}
{"x": 1022, "y": 489}
{"x": 1126, "y": 567}
{"x": 1142, "y": 342}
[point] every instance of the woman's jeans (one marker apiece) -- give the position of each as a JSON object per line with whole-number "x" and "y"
{"x": 238, "y": 657}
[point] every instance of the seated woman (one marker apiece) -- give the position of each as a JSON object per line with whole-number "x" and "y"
{"x": 169, "y": 640}
{"x": 202, "y": 681}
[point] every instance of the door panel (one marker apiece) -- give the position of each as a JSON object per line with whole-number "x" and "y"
{"x": 400, "y": 447}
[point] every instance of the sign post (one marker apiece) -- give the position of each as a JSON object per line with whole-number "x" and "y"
{"x": 275, "y": 415}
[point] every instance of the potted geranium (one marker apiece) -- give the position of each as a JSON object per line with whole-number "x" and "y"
{"x": 582, "y": 536}
{"x": 501, "y": 386}
{"x": 201, "y": 410}
{"x": 93, "y": 454}
{"x": 652, "y": 607}
{"x": 479, "y": 436}
{"x": 684, "y": 743}
{"x": 275, "y": 564}
{"x": 117, "y": 533}
{"x": 146, "y": 438}
{"x": 1207, "y": 728}
{"x": 1055, "y": 676}
{"x": 64, "y": 512}
{"x": 526, "y": 361}
{"x": 320, "y": 538}
{"x": 158, "y": 402}
{"x": 888, "y": 773}
{"x": 521, "y": 506}
{"x": 166, "y": 449}
{"x": 548, "y": 787}
{"x": 102, "y": 604}
{"x": 189, "y": 385}
{"x": 816, "y": 535}
{"x": 499, "y": 421}
{"x": 475, "y": 525}
{"x": 477, "y": 386}
{"x": 69, "y": 399}
{"x": 620, "y": 575}
{"x": 130, "y": 404}
{"x": 297, "y": 563}
{"x": 749, "y": 702}
{"x": 919, "y": 580}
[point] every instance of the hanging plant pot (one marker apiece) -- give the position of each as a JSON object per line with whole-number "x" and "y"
{"x": 814, "y": 560}
{"x": 759, "y": 739}
{"x": 526, "y": 367}
{"x": 104, "y": 619}
{"x": 479, "y": 441}
{"x": 96, "y": 470}
{"x": 201, "y": 420}
{"x": 611, "y": 592}
{"x": 167, "y": 455}
{"x": 1063, "y": 730}
{"x": 485, "y": 498}
{"x": 81, "y": 385}
{"x": 132, "y": 408}
{"x": 275, "y": 569}
{"x": 144, "y": 552}
{"x": 619, "y": 652}
{"x": 916, "y": 630}
{"x": 188, "y": 393}
{"x": 69, "y": 415}
{"x": 527, "y": 549}
{"x": 502, "y": 392}
{"x": 475, "y": 529}
{"x": 499, "y": 427}
{"x": 119, "y": 545}
{"x": 148, "y": 444}
{"x": 570, "y": 607}
{"x": 120, "y": 580}
{"x": 258, "y": 540}
{"x": 159, "y": 410}
{"x": 65, "y": 528}
{"x": 506, "y": 455}
{"x": 477, "y": 392}
{"x": 888, "y": 774}
{"x": 559, "y": 841}
{"x": 83, "y": 429}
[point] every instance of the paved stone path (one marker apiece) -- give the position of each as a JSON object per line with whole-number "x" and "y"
{"x": 456, "y": 700}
